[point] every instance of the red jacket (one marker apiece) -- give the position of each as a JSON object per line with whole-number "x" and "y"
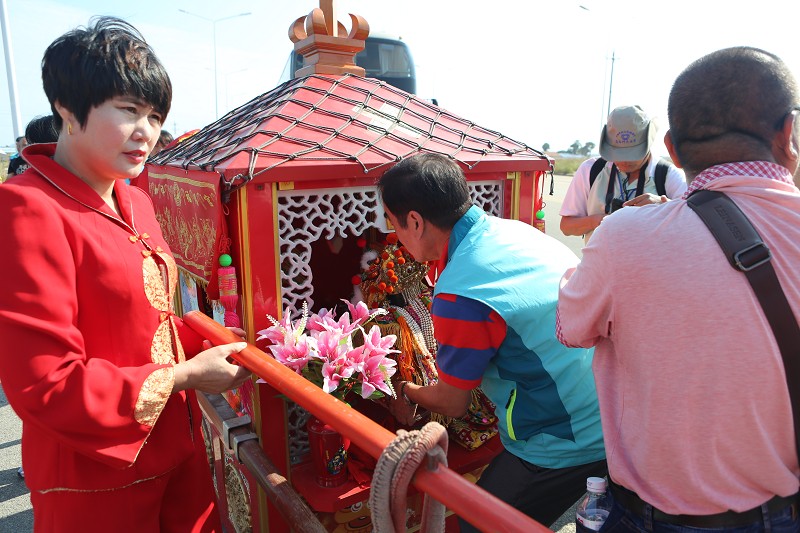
{"x": 89, "y": 339}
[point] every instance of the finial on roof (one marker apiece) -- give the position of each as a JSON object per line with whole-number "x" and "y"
{"x": 324, "y": 43}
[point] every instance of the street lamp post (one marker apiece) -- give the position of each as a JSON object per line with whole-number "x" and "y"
{"x": 10, "y": 70}
{"x": 214, "y": 40}
{"x": 227, "y": 79}
{"x": 610, "y": 78}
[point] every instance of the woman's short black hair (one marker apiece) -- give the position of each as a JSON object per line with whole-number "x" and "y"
{"x": 87, "y": 66}
{"x": 431, "y": 184}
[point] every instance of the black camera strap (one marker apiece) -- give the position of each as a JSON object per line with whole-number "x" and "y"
{"x": 612, "y": 181}
{"x": 749, "y": 254}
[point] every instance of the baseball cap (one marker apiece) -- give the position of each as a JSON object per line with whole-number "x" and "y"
{"x": 627, "y": 135}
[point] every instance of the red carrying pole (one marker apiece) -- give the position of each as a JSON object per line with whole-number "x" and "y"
{"x": 469, "y": 501}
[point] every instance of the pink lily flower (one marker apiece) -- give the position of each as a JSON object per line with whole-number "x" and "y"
{"x": 360, "y": 313}
{"x": 296, "y": 353}
{"x": 335, "y": 371}
{"x": 330, "y": 345}
{"x": 316, "y": 320}
{"x": 375, "y": 372}
{"x": 375, "y": 344}
{"x": 279, "y": 331}
{"x": 284, "y": 331}
{"x": 342, "y": 326}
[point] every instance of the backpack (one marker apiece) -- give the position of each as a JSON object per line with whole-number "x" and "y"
{"x": 660, "y": 177}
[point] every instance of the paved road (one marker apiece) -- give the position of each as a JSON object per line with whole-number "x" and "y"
{"x": 565, "y": 524}
{"x": 16, "y": 515}
{"x": 551, "y": 209}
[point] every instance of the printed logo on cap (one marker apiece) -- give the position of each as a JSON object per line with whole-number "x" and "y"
{"x": 625, "y": 137}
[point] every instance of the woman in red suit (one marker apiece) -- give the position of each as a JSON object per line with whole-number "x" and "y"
{"x": 93, "y": 359}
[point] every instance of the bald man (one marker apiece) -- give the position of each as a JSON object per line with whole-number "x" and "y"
{"x": 693, "y": 397}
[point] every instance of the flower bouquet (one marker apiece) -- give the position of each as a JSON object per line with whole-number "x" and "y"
{"x": 321, "y": 348}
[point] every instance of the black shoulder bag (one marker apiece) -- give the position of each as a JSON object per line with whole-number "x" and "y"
{"x": 747, "y": 253}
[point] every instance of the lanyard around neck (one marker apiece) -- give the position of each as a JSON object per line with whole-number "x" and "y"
{"x": 613, "y": 179}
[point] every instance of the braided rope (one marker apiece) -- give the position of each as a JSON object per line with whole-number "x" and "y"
{"x": 388, "y": 499}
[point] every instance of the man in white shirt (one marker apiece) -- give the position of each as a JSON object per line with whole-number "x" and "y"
{"x": 626, "y": 175}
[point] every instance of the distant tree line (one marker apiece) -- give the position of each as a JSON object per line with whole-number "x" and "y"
{"x": 576, "y": 148}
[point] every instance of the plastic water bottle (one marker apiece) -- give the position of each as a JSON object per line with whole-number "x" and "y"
{"x": 594, "y": 507}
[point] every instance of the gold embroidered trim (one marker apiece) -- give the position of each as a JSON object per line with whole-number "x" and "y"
{"x": 197, "y": 279}
{"x": 66, "y": 489}
{"x": 154, "y": 284}
{"x": 161, "y": 351}
{"x": 160, "y": 282}
{"x": 162, "y": 189}
{"x": 172, "y": 271}
{"x": 153, "y": 395}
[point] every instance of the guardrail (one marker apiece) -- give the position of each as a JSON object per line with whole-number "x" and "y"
{"x": 467, "y": 500}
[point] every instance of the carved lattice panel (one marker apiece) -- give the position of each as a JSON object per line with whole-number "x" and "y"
{"x": 305, "y": 217}
{"x": 298, "y": 434}
{"x": 488, "y": 195}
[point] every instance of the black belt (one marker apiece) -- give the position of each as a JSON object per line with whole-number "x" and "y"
{"x": 632, "y": 502}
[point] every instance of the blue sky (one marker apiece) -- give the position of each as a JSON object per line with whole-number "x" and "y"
{"x": 535, "y": 70}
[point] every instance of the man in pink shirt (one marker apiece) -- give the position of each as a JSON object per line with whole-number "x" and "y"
{"x": 693, "y": 398}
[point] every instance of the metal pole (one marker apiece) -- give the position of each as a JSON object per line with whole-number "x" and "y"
{"x": 214, "y": 38}
{"x": 611, "y": 80}
{"x": 10, "y": 71}
{"x": 216, "y": 81}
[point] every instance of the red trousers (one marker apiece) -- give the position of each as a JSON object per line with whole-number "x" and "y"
{"x": 180, "y": 501}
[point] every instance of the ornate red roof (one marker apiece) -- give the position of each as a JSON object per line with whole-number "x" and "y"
{"x": 333, "y": 121}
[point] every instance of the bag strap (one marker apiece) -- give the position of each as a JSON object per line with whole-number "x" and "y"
{"x": 597, "y": 166}
{"x": 660, "y": 177}
{"x": 612, "y": 183}
{"x": 747, "y": 253}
